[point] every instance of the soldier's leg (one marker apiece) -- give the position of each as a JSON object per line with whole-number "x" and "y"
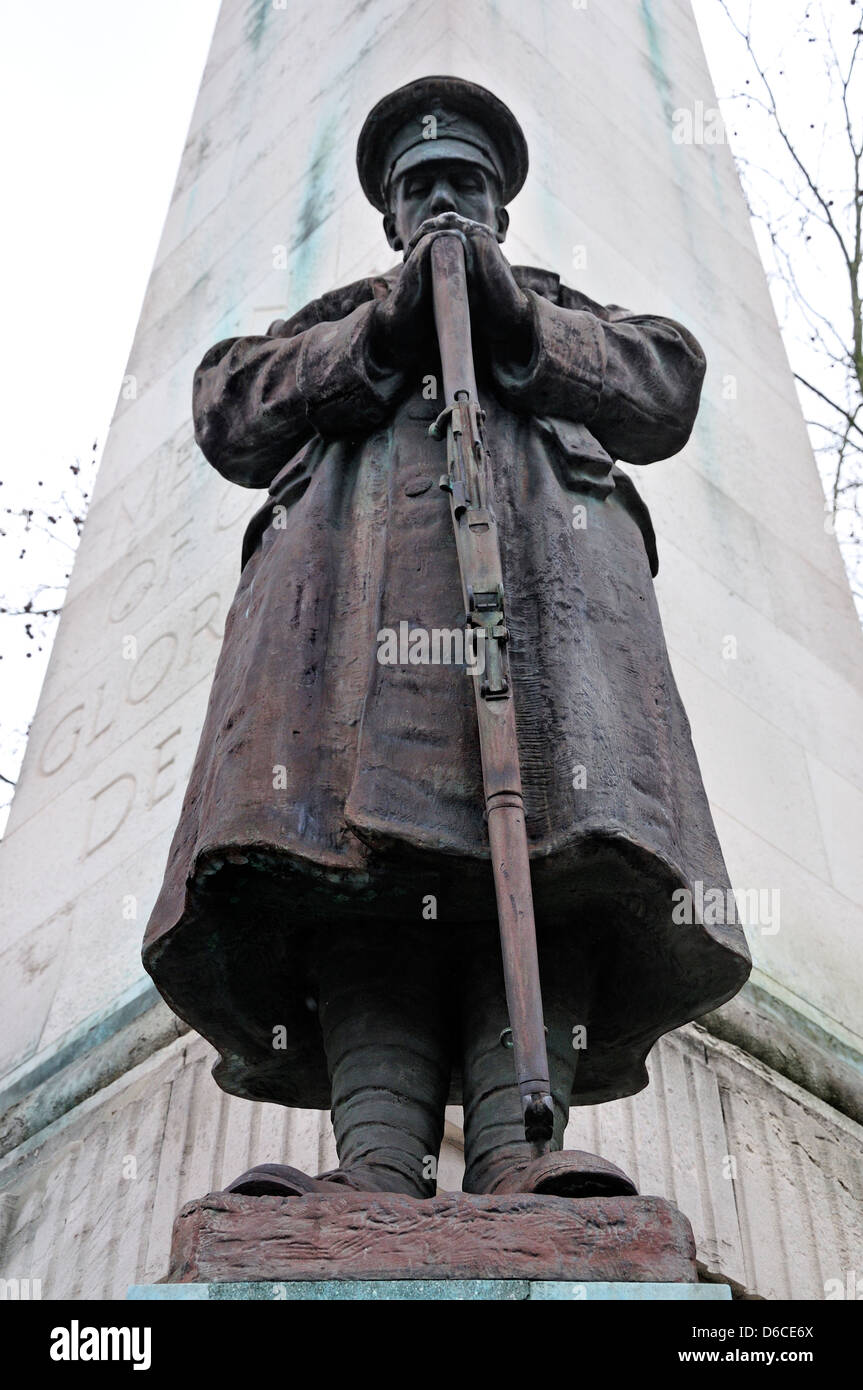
{"x": 387, "y": 1036}
{"x": 493, "y": 1123}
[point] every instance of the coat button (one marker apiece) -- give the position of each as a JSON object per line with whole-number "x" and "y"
{"x": 414, "y": 487}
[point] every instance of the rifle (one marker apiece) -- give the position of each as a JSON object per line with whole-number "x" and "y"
{"x": 469, "y": 482}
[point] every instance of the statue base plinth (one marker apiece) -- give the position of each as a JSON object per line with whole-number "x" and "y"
{"x": 231, "y": 1238}
{"x": 434, "y": 1290}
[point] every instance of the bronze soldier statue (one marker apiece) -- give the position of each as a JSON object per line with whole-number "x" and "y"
{"x": 327, "y": 918}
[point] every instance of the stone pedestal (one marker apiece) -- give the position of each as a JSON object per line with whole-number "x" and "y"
{"x": 429, "y": 1290}
{"x": 231, "y": 1239}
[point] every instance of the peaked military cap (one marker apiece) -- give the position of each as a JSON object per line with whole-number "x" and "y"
{"x": 469, "y": 123}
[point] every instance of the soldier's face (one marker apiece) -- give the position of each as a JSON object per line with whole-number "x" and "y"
{"x": 449, "y": 186}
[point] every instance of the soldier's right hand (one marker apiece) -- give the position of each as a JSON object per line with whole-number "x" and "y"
{"x": 402, "y": 327}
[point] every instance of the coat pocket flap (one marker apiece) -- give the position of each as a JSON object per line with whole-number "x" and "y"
{"x": 581, "y": 462}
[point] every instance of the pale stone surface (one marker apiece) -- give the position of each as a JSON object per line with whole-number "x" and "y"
{"x": 31, "y": 972}
{"x": 626, "y": 214}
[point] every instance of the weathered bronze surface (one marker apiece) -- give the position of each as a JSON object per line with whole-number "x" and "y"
{"x": 223, "y": 1238}
{"x": 327, "y": 917}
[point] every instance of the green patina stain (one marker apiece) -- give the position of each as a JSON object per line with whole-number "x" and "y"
{"x": 315, "y": 207}
{"x": 257, "y": 16}
{"x": 657, "y": 65}
{"x": 229, "y": 325}
{"x": 657, "y": 62}
{"x": 680, "y": 157}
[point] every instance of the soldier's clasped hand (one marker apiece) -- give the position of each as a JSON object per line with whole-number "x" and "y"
{"x": 403, "y": 323}
{"x": 500, "y": 310}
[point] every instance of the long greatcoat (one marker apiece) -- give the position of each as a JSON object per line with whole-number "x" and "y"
{"x": 330, "y": 787}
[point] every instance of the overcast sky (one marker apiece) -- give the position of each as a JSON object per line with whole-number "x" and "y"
{"x": 96, "y": 97}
